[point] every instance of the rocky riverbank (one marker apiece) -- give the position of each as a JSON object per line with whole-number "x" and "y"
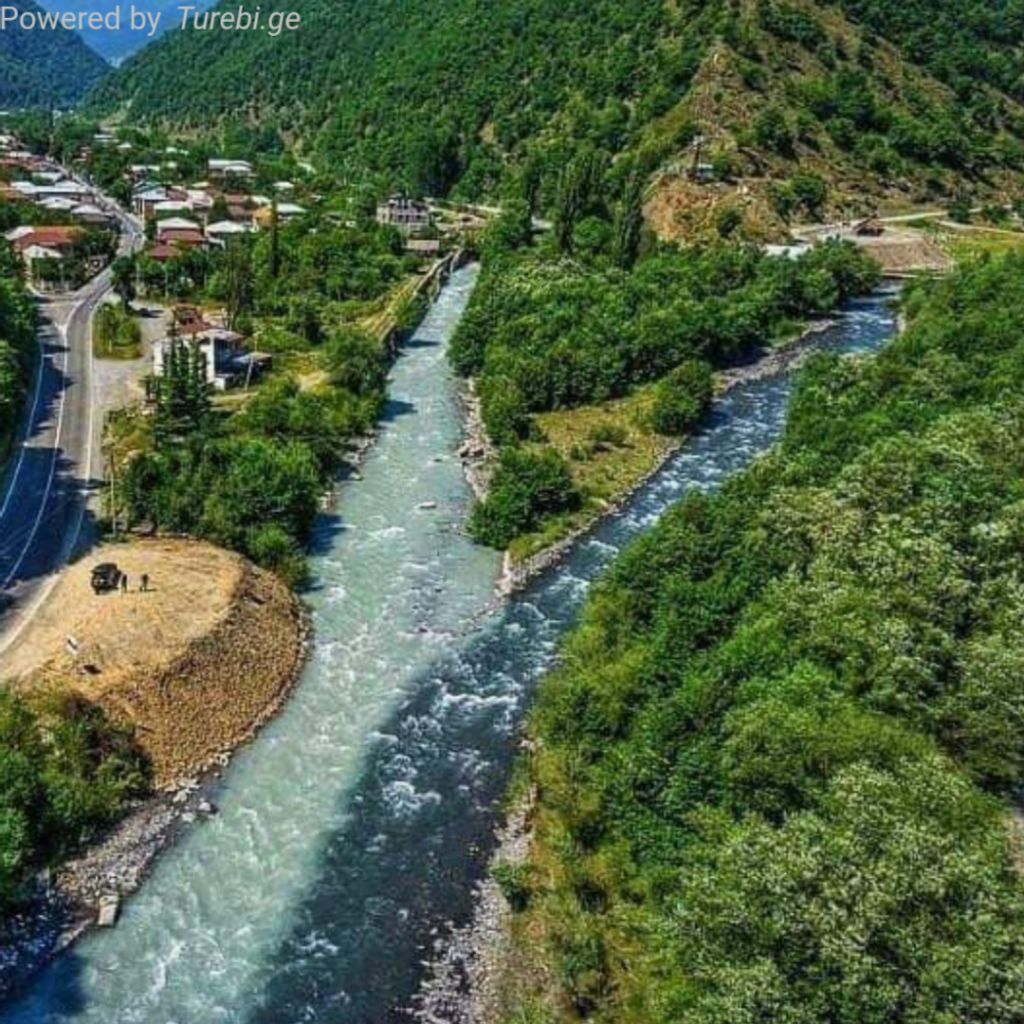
{"x": 477, "y": 452}
{"x": 192, "y": 695}
{"x": 465, "y": 985}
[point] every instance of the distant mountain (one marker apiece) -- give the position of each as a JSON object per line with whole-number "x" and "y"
{"x": 117, "y": 44}
{"x": 880, "y": 100}
{"x": 39, "y": 67}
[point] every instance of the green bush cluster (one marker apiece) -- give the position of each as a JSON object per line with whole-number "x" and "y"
{"x": 116, "y": 333}
{"x": 526, "y": 488}
{"x": 65, "y": 773}
{"x": 544, "y": 332}
{"x": 682, "y": 397}
{"x": 17, "y": 343}
{"x": 252, "y": 481}
{"x": 770, "y": 768}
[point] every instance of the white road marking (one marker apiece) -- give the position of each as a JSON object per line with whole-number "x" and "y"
{"x": 30, "y": 427}
{"x": 54, "y": 577}
{"x": 46, "y": 589}
{"x": 53, "y": 468}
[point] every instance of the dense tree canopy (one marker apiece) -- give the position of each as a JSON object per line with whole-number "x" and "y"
{"x": 453, "y": 95}
{"x": 65, "y": 772}
{"x": 17, "y": 343}
{"x": 40, "y": 67}
{"x": 769, "y": 769}
{"x": 549, "y": 332}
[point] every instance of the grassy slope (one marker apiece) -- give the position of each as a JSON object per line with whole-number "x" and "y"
{"x": 740, "y": 79}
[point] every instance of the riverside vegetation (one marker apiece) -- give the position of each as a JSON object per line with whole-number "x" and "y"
{"x": 249, "y": 474}
{"x": 17, "y": 345}
{"x": 772, "y": 771}
{"x": 65, "y": 772}
{"x": 586, "y": 317}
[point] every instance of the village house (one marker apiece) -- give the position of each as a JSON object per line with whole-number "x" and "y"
{"x": 407, "y": 215}
{"x": 218, "y": 167}
{"x": 286, "y": 213}
{"x": 57, "y": 205}
{"x": 171, "y": 208}
{"x": 44, "y": 244}
{"x": 226, "y": 361}
{"x": 222, "y": 230}
{"x": 63, "y": 189}
{"x": 144, "y": 202}
{"x": 91, "y": 216}
{"x": 201, "y": 202}
{"x": 139, "y": 171}
{"x": 176, "y": 233}
{"x": 147, "y": 197}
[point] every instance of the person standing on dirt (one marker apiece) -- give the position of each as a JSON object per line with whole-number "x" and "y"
{"x": 124, "y": 583}
{"x": 144, "y": 586}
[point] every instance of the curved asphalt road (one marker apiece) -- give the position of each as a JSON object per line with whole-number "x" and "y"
{"x": 45, "y": 516}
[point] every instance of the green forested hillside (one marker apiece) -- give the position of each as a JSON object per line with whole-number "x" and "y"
{"x": 39, "y": 67}
{"x": 456, "y": 93}
{"x": 17, "y": 343}
{"x": 770, "y": 769}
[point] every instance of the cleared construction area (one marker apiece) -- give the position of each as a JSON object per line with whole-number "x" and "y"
{"x": 194, "y": 665}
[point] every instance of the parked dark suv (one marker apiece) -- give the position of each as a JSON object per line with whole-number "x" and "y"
{"x": 105, "y": 577}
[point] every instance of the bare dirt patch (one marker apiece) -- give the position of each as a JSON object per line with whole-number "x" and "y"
{"x": 194, "y": 666}
{"x": 907, "y": 252}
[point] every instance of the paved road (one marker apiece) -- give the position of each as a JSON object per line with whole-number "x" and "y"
{"x": 46, "y": 515}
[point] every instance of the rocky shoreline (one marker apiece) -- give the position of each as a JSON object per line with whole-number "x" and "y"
{"x": 464, "y": 985}
{"x": 88, "y": 891}
{"x": 477, "y": 452}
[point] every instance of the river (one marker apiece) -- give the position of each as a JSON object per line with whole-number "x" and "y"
{"x": 350, "y": 832}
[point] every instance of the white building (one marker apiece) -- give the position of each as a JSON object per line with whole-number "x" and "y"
{"x": 222, "y": 230}
{"x": 89, "y": 214}
{"x": 224, "y": 359}
{"x": 218, "y": 167}
{"x": 406, "y": 214}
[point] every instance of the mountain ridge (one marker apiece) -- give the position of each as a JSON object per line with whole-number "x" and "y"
{"x": 114, "y": 45}
{"x": 43, "y": 67}
{"x": 463, "y": 95}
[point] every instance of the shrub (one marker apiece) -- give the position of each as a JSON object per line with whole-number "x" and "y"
{"x": 514, "y": 882}
{"x": 682, "y": 398}
{"x": 526, "y": 488}
{"x": 65, "y": 772}
{"x": 356, "y": 362}
{"x": 608, "y": 435}
{"x": 728, "y": 220}
{"x": 274, "y": 549}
